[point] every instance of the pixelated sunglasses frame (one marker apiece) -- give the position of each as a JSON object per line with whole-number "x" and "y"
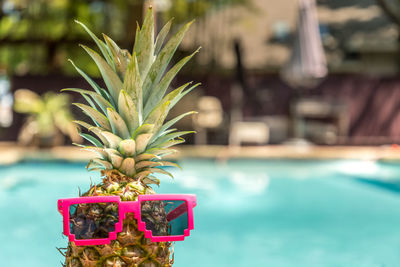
{"x": 123, "y": 208}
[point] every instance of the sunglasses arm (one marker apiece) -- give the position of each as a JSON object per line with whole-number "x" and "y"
{"x": 175, "y": 213}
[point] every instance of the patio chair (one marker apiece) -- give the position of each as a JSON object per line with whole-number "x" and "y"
{"x": 254, "y": 132}
{"x": 321, "y": 120}
{"x": 210, "y": 117}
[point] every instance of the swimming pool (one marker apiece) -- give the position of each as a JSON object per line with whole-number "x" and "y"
{"x": 249, "y": 213}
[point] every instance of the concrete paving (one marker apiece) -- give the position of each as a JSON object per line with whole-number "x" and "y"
{"x": 12, "y": 153}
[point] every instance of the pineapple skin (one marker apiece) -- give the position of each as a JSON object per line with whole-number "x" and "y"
{"x": 131, "y": 248}
{"x": 130, "y": 137}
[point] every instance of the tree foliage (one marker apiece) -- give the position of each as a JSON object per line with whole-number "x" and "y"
{"x": 37, "y": 37}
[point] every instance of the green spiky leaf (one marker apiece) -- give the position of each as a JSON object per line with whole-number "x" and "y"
{"x": 119, "y": 56}
{"x": 112, "y": 139}
{"x": 128, "y": 166}
{"x": 114, "y": 157}
{"x": 169, "y": 137}
{"x": 160, "y": 134}
{"x": 141, "y": 142}
{"x": 161, "y": 171}
{"x": 145, "y": 46}
{"x": 133, "y": 85}
{"x": 96, "y": 164}
{"x": 91, "y": 139}
{"x": 112, "y": 151}
{"x": 170, "y": 164}
{"x": 92, "y": 83}
{"x": 96, "y": 130}
{"x": 103, "y": 48}
{"x": 95, "y": 115}
{"x": 127, "y": 110}
{"x": 118, "y": 124}
{"x": 147, "y": 164}
{"x": 98, "y": 150}
{"x": 170, "y": 143}
{"x": 103, "y": 103}
{"x": 158, "y": 92}
{"x": 162, "y": 60}
{"x": 111, "y": 79}
{"x": 146, "y": 156}
{"x": 137, "y": 36}
{"x": 144, "y": 128}
{"x": 161, "y": 37}
{"x": 158, "y": 115}
{"x": 151, "y": 180}
{"x": 127, "y": 147}
{"x": 176, "y": 95}
{"x": 175, "y": 120}
{"x": 161, "y": 152}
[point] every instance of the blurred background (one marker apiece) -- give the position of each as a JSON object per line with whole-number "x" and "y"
{"x": 272, "y": 72}
{"x": 296, "y": 158}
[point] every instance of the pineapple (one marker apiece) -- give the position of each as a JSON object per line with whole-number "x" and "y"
{"x": 129, "y": 135}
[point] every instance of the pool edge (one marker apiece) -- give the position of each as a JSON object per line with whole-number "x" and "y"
{"x": 11, "y": 153}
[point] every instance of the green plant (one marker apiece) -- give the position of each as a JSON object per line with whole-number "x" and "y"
{"x": 48, "y": 118}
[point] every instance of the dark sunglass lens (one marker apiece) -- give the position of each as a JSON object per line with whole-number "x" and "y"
{"x": 93, "y": 220}
{"x": 165, "y": 217}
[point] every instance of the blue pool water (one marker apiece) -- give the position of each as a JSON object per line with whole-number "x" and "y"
{"x": 249, "y": 213}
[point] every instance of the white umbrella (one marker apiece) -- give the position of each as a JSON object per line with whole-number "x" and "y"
{"x": 307, "y": 64}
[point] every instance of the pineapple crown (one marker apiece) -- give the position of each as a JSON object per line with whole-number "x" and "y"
{"x": 128, "y": 132}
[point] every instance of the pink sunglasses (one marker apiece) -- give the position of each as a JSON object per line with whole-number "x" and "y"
{"x": 97, "y": 220}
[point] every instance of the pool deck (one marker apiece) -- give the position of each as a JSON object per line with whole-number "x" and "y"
{"x": 11, "y": 153}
